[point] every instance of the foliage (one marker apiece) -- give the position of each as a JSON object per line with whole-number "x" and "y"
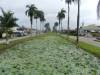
{"x": 88, "y": 47}
{"x": 7, "y": 20}
{"x": 49, "y": 55}
{"x": 72, "y": 32}
{"x": 69, "y": 1}
{"x": 61, "y": 16}
{"x": 95, "y": 34}
{"x": 55, "y": 27}
{"x": 47, "y": 27}
{"x": 30, "y": 12}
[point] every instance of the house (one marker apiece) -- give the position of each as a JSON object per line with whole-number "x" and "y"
{"x": 87, "y": 30}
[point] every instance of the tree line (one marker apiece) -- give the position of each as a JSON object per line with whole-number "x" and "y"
{"x": 7, "y": 19}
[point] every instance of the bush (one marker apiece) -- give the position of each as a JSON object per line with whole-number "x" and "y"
{"x": 73, "y": 33}
{"x": 95, "y": 34}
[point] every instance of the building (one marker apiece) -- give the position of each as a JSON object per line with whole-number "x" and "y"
{"x": 87, "y": 30}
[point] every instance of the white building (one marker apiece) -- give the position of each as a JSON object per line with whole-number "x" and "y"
{"x": 87, "y": 30}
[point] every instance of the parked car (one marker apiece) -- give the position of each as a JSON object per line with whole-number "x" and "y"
{"x": 18, "y": 34}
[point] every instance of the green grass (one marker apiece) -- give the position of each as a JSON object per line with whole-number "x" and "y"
{"x": 98, "y": 40}
{"x": 48, "y": 54}
{"x": 88, "y": 47}
{"x": 3, "y": 46}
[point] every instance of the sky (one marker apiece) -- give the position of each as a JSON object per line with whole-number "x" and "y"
{"x": 51, "y": 8}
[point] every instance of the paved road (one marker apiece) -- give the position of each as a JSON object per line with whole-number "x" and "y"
{"x": 88, "y": 40}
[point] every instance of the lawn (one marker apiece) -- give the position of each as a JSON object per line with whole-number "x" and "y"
{"x": 83, "y": 45}
{"x": 48, "y": 55}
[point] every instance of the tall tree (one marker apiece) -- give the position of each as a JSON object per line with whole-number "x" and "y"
{"x": 55, "y": 27}
{"x": 7, "y": 21}
{"x": 42, "y": 19}
{"x": 37, "y": 16}
{"x": 78, "y": 21}
{"x": 30, "y": 12}
{"x": 47, "y": 27}
{"x": 61, "y": 16}
{"x": 68, "y": 3}
{"x": 58, "y": 16}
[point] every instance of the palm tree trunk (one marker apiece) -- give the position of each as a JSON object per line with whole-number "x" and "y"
{"x": 68, "y": 20}
{"x": 78, "y": 21}
{"x": 61, "y": 27}
{"x": 36, "y": 27}
{"x": 31, "y": 21}
{"x": 40, "y": 26}
{"x": 7, "y": 40}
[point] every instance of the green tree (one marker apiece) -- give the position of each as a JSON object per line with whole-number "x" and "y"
{"x": 30, "y": 12}
{"x": 55, "y": 27}
{"x": 36, "y": 17}
{"x": 78, "y": 16}
{"x": 78, "y": 21}
{"x": 61, "y": 16}
{"x": 42, "y": 18}
{"x": 68, "y": 3}
{"x": 47, "y": 27}
{"x": 7, "y": 21}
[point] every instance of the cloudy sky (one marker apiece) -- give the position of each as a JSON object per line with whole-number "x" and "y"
{"x": 50, "y": 8}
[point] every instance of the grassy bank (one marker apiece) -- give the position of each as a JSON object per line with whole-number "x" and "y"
{"x": 48, "y": 55}
{"x": 3, "y": 46}
{"x": 88, "y": 47}
{"x": 13, "y": 43}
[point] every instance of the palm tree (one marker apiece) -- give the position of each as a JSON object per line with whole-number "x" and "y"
{"x": 58, "y": 16}
{"x": 61, "y": 16}
{"x": 41, "y": 17}
{"x": 42, "y": 20}
{"x": 55, "y": 27}
{"x": 68, "y": 2}
{"x": 78, "y": 16}
{"x": 47, "y": 27}
{"x": 37, "y": 16}
{"x": 30, "y": 12}
{"x": 78, "y": 22}
{"x": 7, "y": 21}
